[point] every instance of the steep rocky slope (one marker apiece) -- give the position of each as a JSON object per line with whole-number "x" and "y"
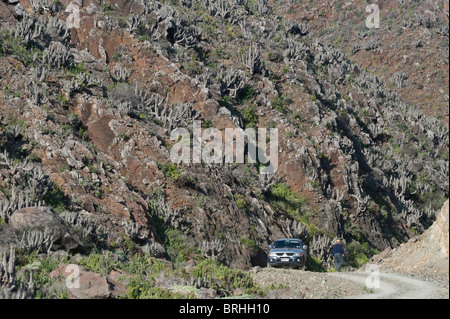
{"x": 86, "y": 115}
{"x": 409, "y": 52}
{"x": 427, "y": 255}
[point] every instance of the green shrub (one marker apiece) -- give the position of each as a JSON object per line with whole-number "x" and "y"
{"x": 282, "y": 198}
{"x": 139, "y": 289}
{"x": 240, "y": 201}
{"x": 280, "y": 102}
{"x": 171, "y": 170}
{"x": 358, "y": 254}
{"x": 246, "y": 94}
{"x": 55, "y": 198}
{"x": 315, "y": 264}
{"x": 248, "y": 242}
{"x": 223, "y": 278}
{"x": 18, "y": 48}
{"x": 250, "y": 117}
{"x": 176, "y": 247}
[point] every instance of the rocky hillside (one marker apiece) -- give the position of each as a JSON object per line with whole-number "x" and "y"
{"x": 86, "y": 112}
{"x": 408, "y": 52}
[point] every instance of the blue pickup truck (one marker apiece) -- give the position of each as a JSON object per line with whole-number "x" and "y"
{"x": 287, "y": 252}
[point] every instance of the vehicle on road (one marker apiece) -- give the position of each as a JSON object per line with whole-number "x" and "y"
{"x": 287, "y": 252}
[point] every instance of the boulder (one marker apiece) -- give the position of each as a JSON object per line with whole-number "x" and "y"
{"x": 42, "y": 218}
{"x": 206, "y": 293}
{"x": 5, "y": 13}
{"x": 88, "y": 285}
{"x": 92, "y": 286}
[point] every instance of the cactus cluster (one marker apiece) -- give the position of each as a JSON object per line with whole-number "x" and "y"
{"x": 9, "y": 287}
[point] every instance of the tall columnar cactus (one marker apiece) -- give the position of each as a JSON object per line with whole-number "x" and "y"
{"x": 121, "y": 73}
{"x": 212, "y": 249}
{"x": 14, "y": 166}
{"x": 252, "y": 59}
{"x": 170, "y": 116}
{"x": 232, "y": 81}
{"x": 9, "y": 289}
{"x": 295, "y": 28}
{"x": 57, "y": 56}
{"x": 185, "y": 35}
{"x": 36, "y": 240}
{"x": 399, "y": 78}
{"x": 43, "y": 5}
{"x": 18, "y": 200}
{"x": 295, "y": 51}
{"x": 40, "y": 73}
{"x": 28, "y": 29}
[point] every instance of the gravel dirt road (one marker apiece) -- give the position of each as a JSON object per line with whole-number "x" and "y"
{"x": 395, "y": 286}
{"x": 348, "y": 285}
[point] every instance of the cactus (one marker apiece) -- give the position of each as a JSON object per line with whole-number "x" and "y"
{"x": 423, "y": 20}
{"x": 37, "y": 240}
{"x": 186, "y": 36}
{"x": 252, "y": 59}
{"x": 398, "y": 79}
{"x": 131, "y": 229}
{"x": 18, "y": 200}
{"x": 407, "y": 24}
{"x": 57, "y": 56}
{"x": 14, "y": 166}
{"x": 7, "y": 270}
{"x": 295, "y": 51}
{"x": 232, "y": 81}
{"x": 29, "y": 29}
{"x": 43, "y": 5}
{"x": 170, "y": 116}
{"x": 163, "y": 210}
{"x": 9, "y": 287}
{"x": 134, "y": 22}
{"x": 297, "y": 229}
{"x": 40, "y": 73}
{"x": 320, "y": 246}
{"x": 371, "y": 45}
{"x": 212, "y": 249}
{"x": 220, "y": 8}
{"x": 56, "y": 29}
{"x": 86, "y": 224}
{"x": 356, "y": 48}
{"x": 120, "y": 73}
{"x": 13, "y": 133}
{"x": 295, "y": 28}
{"x": 442, "y": 29}
{"x": 259, "y": 6}
{"x": 87, "y": 80}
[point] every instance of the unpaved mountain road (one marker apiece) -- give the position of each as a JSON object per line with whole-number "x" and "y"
{"x": 394, "y": 286}
{"x": 349, "y": 285}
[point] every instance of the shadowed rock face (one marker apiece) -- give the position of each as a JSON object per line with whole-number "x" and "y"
{"x": 45, "y": 218}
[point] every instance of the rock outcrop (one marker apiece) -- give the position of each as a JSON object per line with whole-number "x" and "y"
{"x": 425, "y": 255}
{"x": 44, "y": 218}
{"x": 83, "y": 284}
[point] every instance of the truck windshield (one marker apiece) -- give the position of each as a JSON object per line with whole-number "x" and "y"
{"x": 287, "y": 243}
